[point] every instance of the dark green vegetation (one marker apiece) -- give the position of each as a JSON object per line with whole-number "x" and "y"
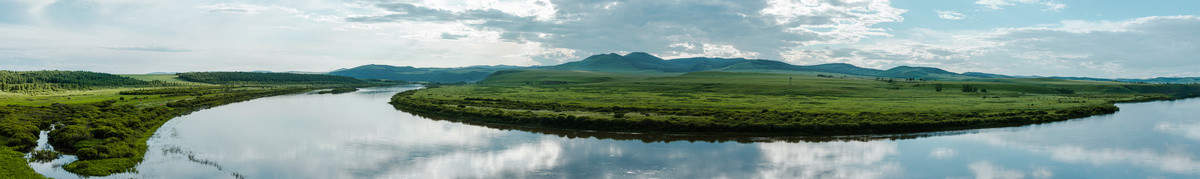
{"x": 50, "y": 81}
{"x": 744, "y": 102}
{"x": 265, "y": 78}
{"x": 13, "y": 165}
{"x": 434, "y": 75}
{"x": 339, "y": 91}
{"x": 106, "y": 126}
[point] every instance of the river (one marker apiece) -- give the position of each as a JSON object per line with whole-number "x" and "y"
{"x": 358, "y": 135}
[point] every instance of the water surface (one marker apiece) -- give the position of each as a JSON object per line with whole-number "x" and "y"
{"x": 358, "y": 135}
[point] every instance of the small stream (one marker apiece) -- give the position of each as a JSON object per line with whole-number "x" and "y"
{"x": 54, "y": 167}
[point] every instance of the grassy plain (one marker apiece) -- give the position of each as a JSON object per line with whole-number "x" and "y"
{"x": 731, "y": 101}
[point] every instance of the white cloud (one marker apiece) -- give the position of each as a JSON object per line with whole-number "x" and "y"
{"x": 950, "y": 15}
{"x": 943, "y": 153}
{"x": 1136, "y": 48}
{"x": 1191, "y": 131}
{"x": 722, "y": 28}
{"x": 829, "y": 160}
{"x": 1050, "y": 5}
{"x": 264, "y": 35}
{"x": 519, "y": 162}
{"x": 1172, "y": 161}
{"x": 987, "y": 170}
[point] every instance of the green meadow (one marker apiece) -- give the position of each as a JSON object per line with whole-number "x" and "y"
{"x": 754, "y": 102}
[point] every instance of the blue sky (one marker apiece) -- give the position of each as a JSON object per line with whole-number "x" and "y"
{"x": 1019, "y": 37}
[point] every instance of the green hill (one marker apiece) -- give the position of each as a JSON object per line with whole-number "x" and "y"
{"x": 560, "y": 77}
{"x": 441, "y": 75}
{"x": 632, "y": 62}
{"x": 643, "y": 62}
{"x": 640, "y": 62}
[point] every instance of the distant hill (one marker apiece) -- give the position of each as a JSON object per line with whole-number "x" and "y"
{"x": 643, "y": 62}
{"x": 843, "y": 69}
{"x": 1176, "y": 80}
{"x": 1165, "y": 80}
{"x": 985, "y": 75}
{"x": 407, "y": 73}
{"x": 265, "y": 78}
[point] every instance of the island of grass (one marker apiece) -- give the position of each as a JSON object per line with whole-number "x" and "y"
{"x": 105, "y": 119}
{"x": 715, "y": 102}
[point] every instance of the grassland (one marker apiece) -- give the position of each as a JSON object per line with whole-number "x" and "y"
{"x": 13, "y": 165}
{"x": 747, "y": 102}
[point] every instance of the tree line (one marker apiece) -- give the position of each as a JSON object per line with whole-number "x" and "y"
{"x": 35, "y": 81}
{"x": 266, "y": 78}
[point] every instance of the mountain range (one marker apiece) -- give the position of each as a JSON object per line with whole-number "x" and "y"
{"x": 407, "y": 73}
{"x": 644, "y": 62}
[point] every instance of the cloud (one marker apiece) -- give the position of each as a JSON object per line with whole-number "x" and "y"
{"x": 999, "y": 4}
{"x": 1172, "y": 161}
{"x": 950, "y": 15}
{"x": 987, "y": 170}
{"x": 1191, "y": 131}
{"x": 1138, "y": 48}
{"x": 722, "y": 28}
{"x": 149, "y": 49}
{"x": 829, "y": 160}
{"x": 246, "y": 36}
{"x": 518, "y": 162}
{"x": 943, "y": 153}
{"x": 452, "y": 36}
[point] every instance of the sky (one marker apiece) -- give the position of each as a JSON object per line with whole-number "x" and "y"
{"x": 1087, "y": 38}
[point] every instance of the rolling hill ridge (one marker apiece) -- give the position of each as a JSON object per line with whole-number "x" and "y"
{"x": 640, "y": 62}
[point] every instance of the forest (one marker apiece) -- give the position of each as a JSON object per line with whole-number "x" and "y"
{"x": 49, "y": 81}
{"x": 265, "y": 78}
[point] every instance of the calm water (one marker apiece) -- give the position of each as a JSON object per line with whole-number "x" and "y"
{"x": 358, "y": 135}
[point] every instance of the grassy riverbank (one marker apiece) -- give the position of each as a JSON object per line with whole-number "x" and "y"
{"x": 741, "y": 102}
{"x": 107, "y": 126}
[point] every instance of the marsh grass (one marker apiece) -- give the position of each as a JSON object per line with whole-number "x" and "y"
{"x": 766, "y": 102}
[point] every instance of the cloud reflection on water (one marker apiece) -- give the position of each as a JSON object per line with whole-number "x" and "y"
{"x": 829, "y": 160}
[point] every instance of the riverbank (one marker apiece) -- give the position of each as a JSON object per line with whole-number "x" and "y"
{"x": 107, "y": 127}
{"x": 110, "y": 138}
{"x": 738, "y": 103}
